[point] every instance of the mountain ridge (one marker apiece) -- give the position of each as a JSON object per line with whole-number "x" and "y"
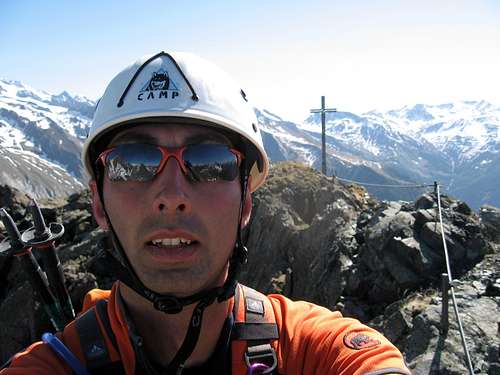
{"x": 456, "y": 144}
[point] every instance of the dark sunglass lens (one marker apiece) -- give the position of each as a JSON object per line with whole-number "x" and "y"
{"x": 211, "y": 162}
{"x": 133, "y": 162}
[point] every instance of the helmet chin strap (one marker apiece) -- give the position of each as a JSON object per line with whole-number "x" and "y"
{"x": 170, "y": 304}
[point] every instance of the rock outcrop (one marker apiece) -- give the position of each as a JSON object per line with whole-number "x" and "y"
{"x": 317, "y": 239}
{"x": 402, "y": 247}
{"x": 302, "y": 235}
{"x": 415, "y": 325}
{"x": 490, "y": 217}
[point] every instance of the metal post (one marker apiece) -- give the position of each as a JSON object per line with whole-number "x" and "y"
{"x": 323, "y": 137}
{"x": 323, "y": 112}
{"x": 445, "y": 296}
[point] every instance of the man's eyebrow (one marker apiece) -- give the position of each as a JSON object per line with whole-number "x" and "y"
{"x": 146, "y": 138}
{"x": 210, "y": 137}
{"x": 133, "y": 136}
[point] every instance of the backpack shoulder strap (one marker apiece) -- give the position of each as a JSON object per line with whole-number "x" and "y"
{"x": 92, "y": 341}
{"x": 254, "y": 330}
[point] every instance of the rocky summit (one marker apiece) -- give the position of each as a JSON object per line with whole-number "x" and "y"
{"x": 316, "y": 238}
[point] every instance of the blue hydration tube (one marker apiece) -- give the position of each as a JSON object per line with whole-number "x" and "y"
{"x": 65, "y": 354}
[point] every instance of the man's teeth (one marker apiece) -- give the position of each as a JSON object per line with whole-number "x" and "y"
{"x": 171, "y": 242}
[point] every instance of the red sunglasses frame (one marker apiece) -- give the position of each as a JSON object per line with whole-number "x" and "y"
{"x": 166, "y": 153}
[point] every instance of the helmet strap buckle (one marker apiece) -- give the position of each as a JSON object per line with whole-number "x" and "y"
{"x": 167, "y": 304}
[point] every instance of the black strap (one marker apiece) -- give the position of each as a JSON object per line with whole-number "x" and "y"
{"x": 92, "y": 341}
{"x": 255, "y": 326}
{"x": 191, "y": 339}
{"x": 256, "y": 330}
{"x": 7, "y": 364}
{"x": 93, "y": 346}
{"x": 102, "y": 311}
{"x": 110, "y": 368}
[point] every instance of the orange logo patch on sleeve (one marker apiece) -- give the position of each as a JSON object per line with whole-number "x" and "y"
{"x": 358, "y": 341}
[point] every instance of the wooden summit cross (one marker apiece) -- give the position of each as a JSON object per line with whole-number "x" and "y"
{"x": 323, "y": 111}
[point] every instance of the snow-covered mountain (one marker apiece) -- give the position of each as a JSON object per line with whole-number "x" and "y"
{"x": 468, "y": 134}
{"x": 461, "y": 130}
{"x": 41, "y": 137}
{"x": 457, "y": 144}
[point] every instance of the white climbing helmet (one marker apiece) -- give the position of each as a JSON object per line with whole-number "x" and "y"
{"x": 177, "y": 85}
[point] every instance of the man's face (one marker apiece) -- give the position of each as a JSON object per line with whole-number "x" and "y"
{"x": 169, "y": 208}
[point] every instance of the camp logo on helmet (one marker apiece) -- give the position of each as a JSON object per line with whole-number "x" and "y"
{"x": 159, "y": 86}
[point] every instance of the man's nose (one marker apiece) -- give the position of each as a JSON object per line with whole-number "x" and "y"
{"x": 171, "y": 189}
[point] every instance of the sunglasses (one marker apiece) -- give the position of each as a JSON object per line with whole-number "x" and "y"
{"x": 204, "y": 162}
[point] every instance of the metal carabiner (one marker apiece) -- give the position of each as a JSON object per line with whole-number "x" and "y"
{"x": 257, "y": 367}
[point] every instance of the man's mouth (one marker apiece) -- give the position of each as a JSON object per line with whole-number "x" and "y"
{"x": 171, "y": 242}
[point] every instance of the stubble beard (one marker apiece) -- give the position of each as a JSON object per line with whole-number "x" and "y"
{"x": 182, "y": 282}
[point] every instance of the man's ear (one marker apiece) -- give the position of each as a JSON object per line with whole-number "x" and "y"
{"x": 247, "y": 208}
{"x": 97, "y": 206}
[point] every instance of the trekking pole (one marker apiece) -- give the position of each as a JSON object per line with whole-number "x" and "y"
{"x": 36, "y": 277}
{"x": 42, "y": 238}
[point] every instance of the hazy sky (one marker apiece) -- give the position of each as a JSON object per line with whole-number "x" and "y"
{"x": 362, "y": 55}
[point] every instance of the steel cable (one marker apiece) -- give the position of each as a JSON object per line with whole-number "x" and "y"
{"x": 450, "y": 281}
{"x": 382, "y": 185}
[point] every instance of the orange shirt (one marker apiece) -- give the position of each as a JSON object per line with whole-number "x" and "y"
{"x": 313, "y": 341}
